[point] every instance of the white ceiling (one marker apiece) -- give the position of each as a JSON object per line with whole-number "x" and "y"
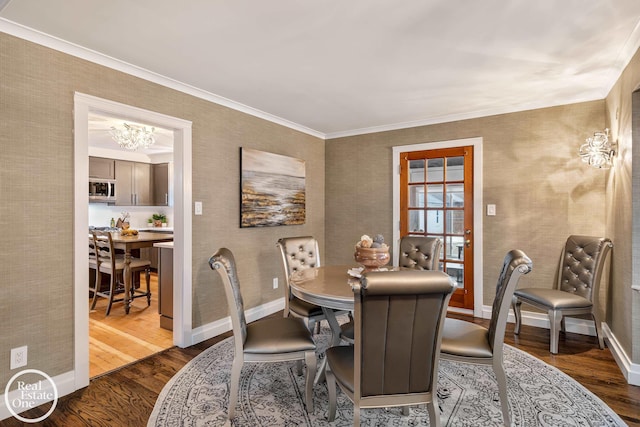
{"x": 335, "y": 67}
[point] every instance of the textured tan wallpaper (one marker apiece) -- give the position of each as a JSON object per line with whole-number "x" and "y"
{"x": 623, "y": 209}
{"x": 542, "y": 190}
{"x": 36, "y": 188}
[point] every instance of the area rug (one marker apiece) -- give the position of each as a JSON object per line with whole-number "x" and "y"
{"x": 272, "y": 394}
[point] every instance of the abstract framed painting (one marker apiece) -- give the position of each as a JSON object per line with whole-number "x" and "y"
{"x": 272, "y": 188}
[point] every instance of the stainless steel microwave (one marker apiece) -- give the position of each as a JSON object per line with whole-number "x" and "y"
{"x": 102, "y": 190}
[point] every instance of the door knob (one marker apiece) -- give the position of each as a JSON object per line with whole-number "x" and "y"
{"x": 467, "y": 243}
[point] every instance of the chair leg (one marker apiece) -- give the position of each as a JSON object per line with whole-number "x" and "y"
{"x": 310, "y": 360}
{"x": 147, "y": 277}
{"x": 112, "y": 290}
{"x": 498, "y": 370}
{"x": 311, "y": 323}
{"x": 555, "y": 320}
{"x": 405, "y": 411}
{"x": 235, "y": 385}
{"x": 516, "y": 304}
{"x": 98, "y": 284}
{"x": 434, "y": 416}
{"x": 356, "y": 415}
{"x": 598, "y": 325}
{"x": 331, "y": 388}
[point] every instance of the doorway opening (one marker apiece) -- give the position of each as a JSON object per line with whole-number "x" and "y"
{"x": 86, "y": 105}
{"x": 143, "y": 186}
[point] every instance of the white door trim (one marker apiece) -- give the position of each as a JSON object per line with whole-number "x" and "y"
{"x": 182, "y": 252}
{"x": 477, "y": 205}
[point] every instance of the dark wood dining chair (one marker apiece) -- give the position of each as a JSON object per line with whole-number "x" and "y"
{"x": 576, "y": 288}
{"x": 277, "y": 339}
{"x": 107, "y": 261}
{"x": 398, "y": 319}
{"x": 471, "y": 343}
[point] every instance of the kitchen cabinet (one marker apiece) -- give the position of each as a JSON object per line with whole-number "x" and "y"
{"x": 101, "y": 168}
{"x": 165, "y": 285}
{"x": 133, "y": 184}
{"x": 161, "y": 184}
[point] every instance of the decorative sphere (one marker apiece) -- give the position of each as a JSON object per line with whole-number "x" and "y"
{"x": 372, "y": 258}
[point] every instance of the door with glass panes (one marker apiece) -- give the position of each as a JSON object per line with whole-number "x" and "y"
{"x": 436, "y": 200}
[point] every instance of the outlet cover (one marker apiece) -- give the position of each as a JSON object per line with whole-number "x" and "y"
{"x": 18, "y": 357}
{"x": 275, "y": 283}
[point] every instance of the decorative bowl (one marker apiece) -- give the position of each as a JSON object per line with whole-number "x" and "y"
{"x": 372, "y": 258}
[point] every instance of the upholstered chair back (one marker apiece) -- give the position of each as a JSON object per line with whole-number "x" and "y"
{"x": 298, "y": 253}
{"x": 580, "y": 270}
{"x": 516, "y": 263}
{"x": 420, "y": 253}
{"x": 224, "y": 263}
{"x": 399, "y": 317}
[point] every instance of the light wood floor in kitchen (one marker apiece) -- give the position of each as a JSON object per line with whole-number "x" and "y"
{"x": 120, "y": 339}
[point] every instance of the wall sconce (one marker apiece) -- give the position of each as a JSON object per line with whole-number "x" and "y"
{"x": 598, "y": 151}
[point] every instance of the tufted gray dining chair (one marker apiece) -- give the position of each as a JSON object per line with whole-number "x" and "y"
{"x": 575, "y": 290}
{"x": 472, "y": 343}
{"x": 300, "y": 253}
{"x": 398, "y": 318}
{"x": 277, "y": 339}
{"x": 420, "y": 253}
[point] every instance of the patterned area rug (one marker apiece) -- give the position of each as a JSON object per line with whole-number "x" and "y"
{"x": 273, "y": 395}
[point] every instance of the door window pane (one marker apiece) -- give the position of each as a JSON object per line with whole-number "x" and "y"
{"x": 455, "y": 222}
{"x": 455, "y": 195}
{"x": 416, "y": 170}
{"x": 455, "y": 247}
{"x": 435, "y": 221}
{"x": 416, "y": 196}
{"x": 435, "y": 170}
{"x": 455, "y": 169}
{"x": 435, "y": 195}
{"x": 457, "y": 272}
{"x": 416, "y": 221}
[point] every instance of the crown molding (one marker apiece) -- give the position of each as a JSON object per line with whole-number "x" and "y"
{"x": 43, "y": 39}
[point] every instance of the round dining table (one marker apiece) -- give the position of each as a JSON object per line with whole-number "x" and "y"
{"x": 330, "y": 288}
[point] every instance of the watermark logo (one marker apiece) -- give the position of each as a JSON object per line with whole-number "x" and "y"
{"x": 30, "y": 394}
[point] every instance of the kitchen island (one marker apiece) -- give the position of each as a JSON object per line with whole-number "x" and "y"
{"x": 165, "y": 284}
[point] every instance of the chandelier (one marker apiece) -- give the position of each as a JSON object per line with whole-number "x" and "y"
{"x": 598, "y": 151}
{"x": 133, "y": 137}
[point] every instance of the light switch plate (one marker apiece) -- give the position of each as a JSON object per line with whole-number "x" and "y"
{"x": 198, "y": 208}
{"x": 491, "y": 210}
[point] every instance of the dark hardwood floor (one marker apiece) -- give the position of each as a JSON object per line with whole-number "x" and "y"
{"x": 126, "y": 397}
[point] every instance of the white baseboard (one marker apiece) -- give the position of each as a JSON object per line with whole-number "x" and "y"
{"x": 631, "y": 371}
{"x": 213, "y": 329}
{"x": 65, "y": 384}
{"x": 541, "y": 320}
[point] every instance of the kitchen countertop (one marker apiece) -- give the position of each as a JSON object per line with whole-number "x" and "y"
{"x": 165, "y": 245}
{"x": 156, "y": 229}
